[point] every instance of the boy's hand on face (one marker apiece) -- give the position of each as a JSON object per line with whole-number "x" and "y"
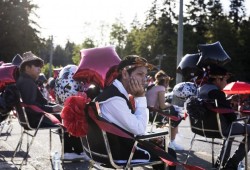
{"x": 136, "y": 88}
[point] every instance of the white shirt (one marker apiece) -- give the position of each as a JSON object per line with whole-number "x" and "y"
{"x": 116, "y": 110}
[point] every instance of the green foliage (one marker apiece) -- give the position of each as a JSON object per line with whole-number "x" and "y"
{"x": 118, "y": 36}
{"x": 17, "y": 33}
{"x": 237, "y": 12}
{"x": 76, "y": 56}
{"x": 45, "y": 69}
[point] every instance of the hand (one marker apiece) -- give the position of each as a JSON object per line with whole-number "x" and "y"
{"x": 57, "y": 108}
{"x": 136, "y": 88}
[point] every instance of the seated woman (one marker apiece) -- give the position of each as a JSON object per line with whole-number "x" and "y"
{"x": 156, "y": 98}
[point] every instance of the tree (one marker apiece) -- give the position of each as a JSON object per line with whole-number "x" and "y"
{"x": 45, "y": 50}
{"x": 59, "y": 57}
{"x": 16, "y": 33}
{"x": 197, "y": 18}
{"x": 152, "y": 14}
{"x": 130, "y": 47}
{"x": 45, "y": 69}
{"x": 118, "y": 36}
{"x": 76, "y": 56}
{"x": 237, "y": 12}
{"x": 241, "y": 60}
{"x": 69, "y": 47}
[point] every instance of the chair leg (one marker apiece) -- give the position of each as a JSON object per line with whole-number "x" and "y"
{"x": 8, "y": 131}
{"x": 212, "y": 151}
{"x": 152, "y": 124}
{"x": 246, "y": 142}
{"x": 191, "y": 145}
{"x": 62, "y": 149}
{"x": 61, "y": 135}
{"x": 19, "y": 144}
{"x": 224, "y": 152}
{"x": 29, "y": 144}
{"x": 2, "y": 124}
{"x": 88, "y": 147}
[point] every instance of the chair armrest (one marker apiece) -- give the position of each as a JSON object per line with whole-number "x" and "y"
{"x": 161, "y": 112}
{"x": 240, "y": 119}
{"x": 152, "y": 135}
{"x": 222, "y": 110}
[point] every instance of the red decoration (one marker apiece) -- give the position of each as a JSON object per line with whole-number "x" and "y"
{"x": 95, "y": 63}
{"x": 73, "y": 115}
{"x": 111, "y": 75}
{"x": 56, "y": 71}
{"x": 132, "y": 101}
{"x": 8, "y": 73}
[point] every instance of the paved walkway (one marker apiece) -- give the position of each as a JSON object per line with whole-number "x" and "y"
{"x": 39, "y": 157}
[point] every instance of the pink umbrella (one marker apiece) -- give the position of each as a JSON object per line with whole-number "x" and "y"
{"x": 237, "y": 87}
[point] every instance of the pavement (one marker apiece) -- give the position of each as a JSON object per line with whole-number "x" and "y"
{"x": 39, "y": 156}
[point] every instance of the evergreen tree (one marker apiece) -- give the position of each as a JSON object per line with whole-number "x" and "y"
{"x": 237, "y": 12}
{"x": 118, "y": 36}
{"x": 16, "y": 33}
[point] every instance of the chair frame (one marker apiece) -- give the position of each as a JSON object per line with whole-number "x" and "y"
{"x": 8, "y": 124}
{"x": 32, "y": 132}
{"x": 157, "y": 112}
{"x": 108, "y": 155}
{"x": 223, "y": 137}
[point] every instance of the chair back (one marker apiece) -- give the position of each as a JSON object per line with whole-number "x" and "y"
{"x": 203, "y": 121}
{"x": 8, "y": 98}
{"x": 94, "y": 144}
{"x": 21, "y": 116}
{"x": 208, "y": 127}
{"x": 14, "y": 99}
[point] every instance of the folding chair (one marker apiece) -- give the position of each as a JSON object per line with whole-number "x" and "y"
{"x": 6, "y": 123}
{"x": 96, "y": 143}
{"x": 156, "y": 112}
{"x": 32, "y": 132}
{"x": 210, "y": 128}
{"x": 6, "y": 113}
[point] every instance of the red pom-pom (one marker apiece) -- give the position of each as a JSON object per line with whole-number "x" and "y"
{"x": 73, "y": 115}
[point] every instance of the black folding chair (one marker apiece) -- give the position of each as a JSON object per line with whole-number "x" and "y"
{"x": 6, "y": 125}
{"x": 208, "y": 125}
{"x": 97, "y": 146}
{"x": 31, "y": 131}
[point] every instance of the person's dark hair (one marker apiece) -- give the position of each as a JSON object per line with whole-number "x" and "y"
{"x": 131, "y": 62}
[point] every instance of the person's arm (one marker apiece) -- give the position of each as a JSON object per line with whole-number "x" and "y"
{"x": 161, "y": 99}
{"x": 117, "y": 111}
